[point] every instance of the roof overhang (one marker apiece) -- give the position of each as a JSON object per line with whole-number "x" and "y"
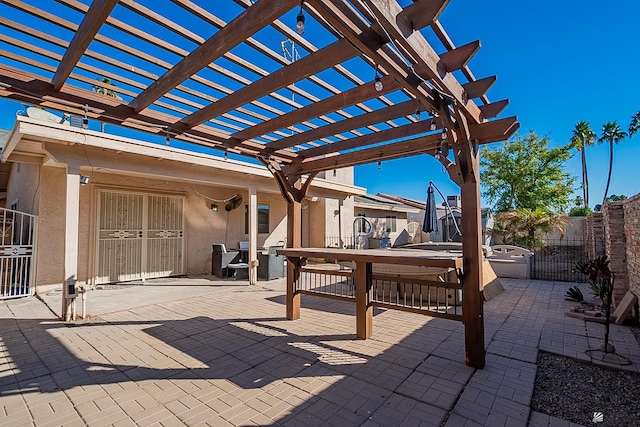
{"x": 52, "y": 144}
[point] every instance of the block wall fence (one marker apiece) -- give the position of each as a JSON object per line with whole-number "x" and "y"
{"x": 615, "y": 231}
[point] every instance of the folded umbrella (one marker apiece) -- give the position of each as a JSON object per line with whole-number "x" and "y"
{"x": 430, "y": 222}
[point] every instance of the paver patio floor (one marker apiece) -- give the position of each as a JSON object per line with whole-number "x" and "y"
{"x": 225, "y": 355}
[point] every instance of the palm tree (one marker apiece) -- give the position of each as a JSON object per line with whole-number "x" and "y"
{"x": 581, "y": 137}
{"x": 522, "y": 224}
{"x": 611, "y": 133}
{"x": 634, "y": 126}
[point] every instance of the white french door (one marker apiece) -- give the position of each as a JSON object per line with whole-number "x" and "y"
{"x": 139, "y": 236}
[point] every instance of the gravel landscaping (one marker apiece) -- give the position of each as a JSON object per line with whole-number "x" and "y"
{"x": 572, "y": 390}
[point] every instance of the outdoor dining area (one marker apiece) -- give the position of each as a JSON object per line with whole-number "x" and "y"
{"x": 370, "y": 81}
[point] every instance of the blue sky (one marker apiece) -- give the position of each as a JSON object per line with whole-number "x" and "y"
{"x": 558, "y": 62}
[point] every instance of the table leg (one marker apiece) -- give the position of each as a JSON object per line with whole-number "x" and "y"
{"x": 364, "y": 309}
{"x": 293, "y": 298}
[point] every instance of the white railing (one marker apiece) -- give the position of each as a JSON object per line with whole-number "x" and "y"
{"x": 18, "y": 233}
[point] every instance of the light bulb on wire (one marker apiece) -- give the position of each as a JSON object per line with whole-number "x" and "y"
{"x": 378, "y": 83}
{"x": 300, "y": 21}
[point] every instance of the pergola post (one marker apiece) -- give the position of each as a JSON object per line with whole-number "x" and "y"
{"x": 472, "y": 309}
{"x": 294, "y": 240}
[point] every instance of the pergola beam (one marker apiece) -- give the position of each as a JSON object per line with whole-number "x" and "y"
{"x": 497, "y": 130}
{"x": 91, "y": 23}
{"x": 418, "y": 50}
{"x": 245, "y": 25}
{"x": 458, "y": 58}
{"x": 369, "y": 139}
{"x": 411, "y": 147}
{"x": 492, "y": 110}
{"x": 350, "y": 97}
{"x": 422, "y": 13}
{"x": 372, "y": 45}
{"x": 479, "y": 88}
{"x": 333, "y": 54}
{"x": 378, "y": 116}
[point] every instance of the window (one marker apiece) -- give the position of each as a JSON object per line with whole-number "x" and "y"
{"x": 391, "y": 223}
{"x": 263, "y": 219}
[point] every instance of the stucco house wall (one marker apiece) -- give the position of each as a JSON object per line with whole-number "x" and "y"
{"x": 114, "y": 163}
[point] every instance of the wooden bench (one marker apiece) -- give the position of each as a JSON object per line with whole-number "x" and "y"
{"x": 511, "y": 261}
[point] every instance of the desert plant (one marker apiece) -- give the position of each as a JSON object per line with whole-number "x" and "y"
{"x": 601, "y": 280}
{"x": 574, "y": 294}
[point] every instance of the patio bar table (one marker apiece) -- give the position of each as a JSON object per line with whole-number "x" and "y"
{"x": 364, "y": 260}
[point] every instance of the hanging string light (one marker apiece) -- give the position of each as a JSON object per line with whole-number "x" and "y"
{"x": 378, "y": 82}
{"x": 300, "y": 20}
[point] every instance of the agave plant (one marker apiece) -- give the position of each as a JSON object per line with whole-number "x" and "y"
{"x": 574, "y": 294}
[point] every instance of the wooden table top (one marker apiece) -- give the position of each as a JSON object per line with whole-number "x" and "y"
{"x": 425, "y": 258}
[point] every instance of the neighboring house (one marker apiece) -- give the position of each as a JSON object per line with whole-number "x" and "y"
{"x": 113, "y": 209}
{"x": 449, "y": 219}
{"x": 388, "y": 218}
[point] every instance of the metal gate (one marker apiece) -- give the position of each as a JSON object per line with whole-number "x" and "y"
{"x": 139, "y": 236}
{"x": 18, "y": 233}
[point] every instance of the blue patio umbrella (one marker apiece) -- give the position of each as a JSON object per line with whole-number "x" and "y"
{"x": 430, "y": 222}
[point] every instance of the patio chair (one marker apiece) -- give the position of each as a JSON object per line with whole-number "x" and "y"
{"x": 271, "y": 265}
{"x": 221, "y": 258}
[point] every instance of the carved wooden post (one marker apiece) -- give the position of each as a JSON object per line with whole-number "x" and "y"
{"x": 293, "y": 191}
{"x": 472, "y": 309}
{"x": 466, "y": 173}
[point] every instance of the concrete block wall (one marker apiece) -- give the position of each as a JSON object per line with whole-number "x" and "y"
{"x": 616, "y": 248}
{"x": 632, "y": 234}
{"x": 594, "y": 235}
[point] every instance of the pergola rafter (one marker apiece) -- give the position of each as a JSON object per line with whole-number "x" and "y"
{"x": 221, "y": 83}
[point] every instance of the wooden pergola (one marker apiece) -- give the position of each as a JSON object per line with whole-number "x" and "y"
{"x": 368, "y": 81}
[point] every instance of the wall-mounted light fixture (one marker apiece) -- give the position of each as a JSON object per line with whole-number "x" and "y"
{"x": 214, "y": 208}
{"x": 84, "y": 180}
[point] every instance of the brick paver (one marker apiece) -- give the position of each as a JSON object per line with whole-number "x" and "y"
{"x": 224, "y": 355}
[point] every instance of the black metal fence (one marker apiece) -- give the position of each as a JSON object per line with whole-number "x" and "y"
{"x": 556, "y": 261}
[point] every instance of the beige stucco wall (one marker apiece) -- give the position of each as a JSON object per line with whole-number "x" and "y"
{"x": 203, "y": 227}
{"x": 22, "y": 187}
